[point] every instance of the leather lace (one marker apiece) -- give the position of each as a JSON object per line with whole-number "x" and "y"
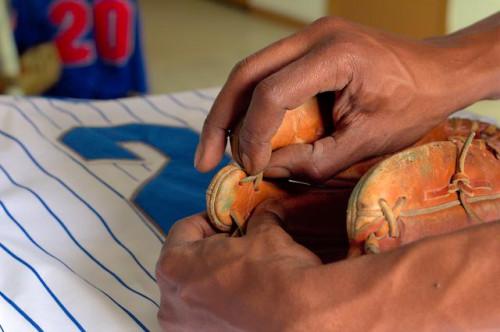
{"x": 460, "y": 183}
{"x": 238, "y": 224}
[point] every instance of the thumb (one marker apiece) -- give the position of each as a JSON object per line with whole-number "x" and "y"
{"x": 318, "y": 161}
{"x": 189, "y": 230}
{"x": 267, "y": 216}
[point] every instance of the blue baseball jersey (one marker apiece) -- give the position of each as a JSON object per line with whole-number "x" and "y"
{"x": 98, "y": 41}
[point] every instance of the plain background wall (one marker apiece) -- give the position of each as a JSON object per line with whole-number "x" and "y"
{"x": 302, "y": 10}
{"x": 465, "y": 12}
{"x": 462, "y": 13}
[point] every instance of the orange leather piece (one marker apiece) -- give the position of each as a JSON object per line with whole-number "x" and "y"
{"x": 301, "y": 125}
{"x": 307, "y": 124}
{"x": 454, "y": 127}
{"x": 462, "y": 127}
{"x": 228, "y": 198}
{"x": 304, "y": 124}
{"x": 416, "y": 188}
{"x": 313, "y": 216}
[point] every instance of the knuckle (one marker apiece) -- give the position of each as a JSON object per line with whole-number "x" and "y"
{"x": 314, "y": 174}
{"x": 176, "y": 227}
{"x": 318, "y": 154}
{"x": 322, "y": 21}
{"x": 249, "y": 138}
{"x": 325, "y": 21}
{"x": 329, "y": 22}
{"x": 268, "y": 92}
{"x": 244, "y": 68}
{"x": 166, "y": 267}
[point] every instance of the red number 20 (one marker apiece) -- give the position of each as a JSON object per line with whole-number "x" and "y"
{"x": 113, "y": 30}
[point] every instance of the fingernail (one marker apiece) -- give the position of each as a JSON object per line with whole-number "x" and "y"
{"x": 247, "y": 164}
{"x": 197, "y": 156}
{"x": 277, "y": 172}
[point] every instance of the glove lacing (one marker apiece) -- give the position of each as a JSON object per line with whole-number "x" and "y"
{"x": 460, "y": 183}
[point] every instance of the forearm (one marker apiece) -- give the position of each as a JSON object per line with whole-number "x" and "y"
{"x": 445, "y": 283}
{"x": 473, "y": 55}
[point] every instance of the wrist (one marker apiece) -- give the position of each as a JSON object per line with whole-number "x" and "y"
{"x": 470, "y": 66}
{"x": 432, "y": 284}
{"x": 337, "y": 297}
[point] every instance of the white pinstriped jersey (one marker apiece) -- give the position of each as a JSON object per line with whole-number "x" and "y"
{"x": 83, "y": 186}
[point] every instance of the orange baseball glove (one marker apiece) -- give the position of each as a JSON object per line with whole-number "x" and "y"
{"x": 233, "y": 195}
{"x": 427, "y": 190}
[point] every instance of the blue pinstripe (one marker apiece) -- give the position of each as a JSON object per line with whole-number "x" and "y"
{"x": 127, "y": 173}
{"x": 47, "y": 288}
{"x": 21, "y": 312}
{"x": 98, "y": 110}
{"x": 203, "y": 96}
{"x": 116, "y": 277}
{"x": 85, "y": 168}
{"x": 94, "y": 211}
{"x": 39, "y": 111}
{"x": 129, "y": 111}
{"x": 62, "y": 110}
{"x": 181, "y": 104}
{"x": 30, "y": 238}
{"x": 165, "y": 114}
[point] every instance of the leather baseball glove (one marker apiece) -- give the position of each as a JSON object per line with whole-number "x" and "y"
{"x": 233, "y": 195}
{"x": 427, "y": 190}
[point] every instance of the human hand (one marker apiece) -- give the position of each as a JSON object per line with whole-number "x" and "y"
{"x": 213, "y": 282}
{"x": 265, "y": 281}
{"x": 390, "y": 91}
